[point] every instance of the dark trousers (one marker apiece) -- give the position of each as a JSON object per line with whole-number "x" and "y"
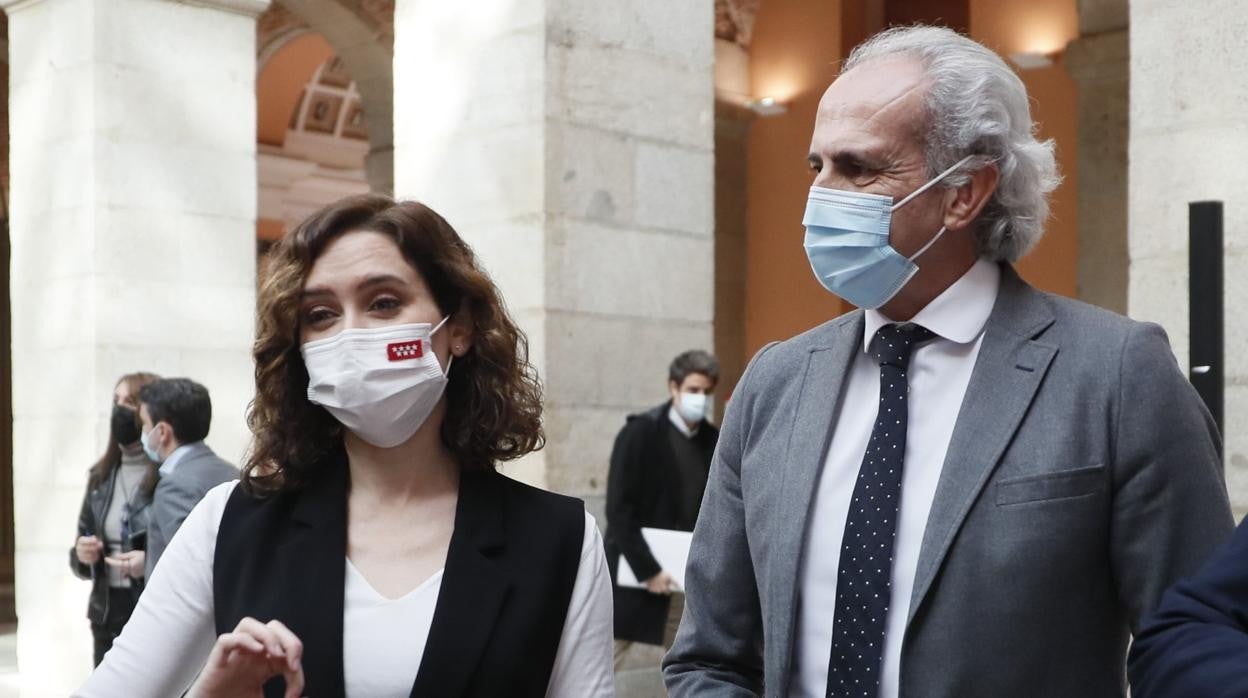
{"x": 120, "y": 606}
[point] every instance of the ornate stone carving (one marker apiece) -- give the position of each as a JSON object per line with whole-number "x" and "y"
{"x": 734, "y": 20}
{"x": 279, "y": 24}
{"x": 274, "y": 28}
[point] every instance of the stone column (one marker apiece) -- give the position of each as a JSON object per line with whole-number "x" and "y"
{"x": 571, "y": 142}
{"x": 1098, "y": 61}
{"x": 1189, "y": 142}
{"x": 133, "y": 248}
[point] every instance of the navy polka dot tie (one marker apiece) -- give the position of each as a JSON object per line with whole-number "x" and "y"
{"x": 864, "y": 580}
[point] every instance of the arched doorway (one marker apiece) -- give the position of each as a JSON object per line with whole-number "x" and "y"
{"x": 361, "y": 34}
{"x": 311, "y": 131}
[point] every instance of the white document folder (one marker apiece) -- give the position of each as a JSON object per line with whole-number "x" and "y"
{"x": 670, "y": 549}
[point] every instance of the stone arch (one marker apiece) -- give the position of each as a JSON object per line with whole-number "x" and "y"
{"x": 274, "y": 29}
{"x": 362, "y": 34}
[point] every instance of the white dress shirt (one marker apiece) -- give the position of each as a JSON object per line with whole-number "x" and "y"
{"x": 939, "y": 373}
{"x": 171, "y": 632}
{"x": 681, "y": 425}
{"x": 179, "y": 454}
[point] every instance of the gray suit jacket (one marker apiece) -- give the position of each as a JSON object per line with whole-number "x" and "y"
{"x": 178, "y": 492}
{"x": 1083, "y": 478}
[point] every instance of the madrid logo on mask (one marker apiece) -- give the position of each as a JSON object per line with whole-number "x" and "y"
{"x": 402, "y": 351}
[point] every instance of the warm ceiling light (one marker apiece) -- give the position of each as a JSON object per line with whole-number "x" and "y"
{"x": 1032, "y": 60}
{"x": 766, "y": 106}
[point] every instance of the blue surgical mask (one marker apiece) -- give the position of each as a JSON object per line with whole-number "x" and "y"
{"x": 847, "y": 243}
{"x": 147, "y": 447}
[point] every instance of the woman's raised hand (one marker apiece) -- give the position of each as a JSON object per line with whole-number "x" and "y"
{"x": 242, "y": 661}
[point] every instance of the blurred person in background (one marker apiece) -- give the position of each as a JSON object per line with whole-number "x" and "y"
{"x": 658, "y": 473}
{"x": 1196, "y": 644}
{"x": 176, "y": 414}
{"x": 112, "y": 526}
{"x": 372, "y": 548}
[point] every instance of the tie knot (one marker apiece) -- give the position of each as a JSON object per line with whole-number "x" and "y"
{"x": 893, "y": 344}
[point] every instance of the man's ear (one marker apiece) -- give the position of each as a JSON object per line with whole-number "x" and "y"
{"x": 966, "y": 202}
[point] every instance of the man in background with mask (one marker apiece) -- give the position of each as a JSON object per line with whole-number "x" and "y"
{"x": 968, "y": 487}
{"x": 659, "y": 467}
{"x": 176, "y": 414}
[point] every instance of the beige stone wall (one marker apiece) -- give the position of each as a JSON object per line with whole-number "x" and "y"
{"x": 1099, "y": 62}
{"x": 571, "y": 143}
{"x": 133, "y": 248}
{"x": 1189, "y": 142}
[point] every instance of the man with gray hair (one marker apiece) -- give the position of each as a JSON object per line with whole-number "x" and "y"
{"x": 968, "y": 487}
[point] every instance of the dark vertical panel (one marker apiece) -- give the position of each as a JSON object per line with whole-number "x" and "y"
{"x": 732, "y": 125}
{"x": 8, "y": 609}
{"x": 955, "y": 14}
{"x": 860, "y": 19}
{"x": 1205, "y": 300}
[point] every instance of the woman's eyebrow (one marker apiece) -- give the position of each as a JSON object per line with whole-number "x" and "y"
{"x": 366, "y": 283}
{"x": 379, "y": 280}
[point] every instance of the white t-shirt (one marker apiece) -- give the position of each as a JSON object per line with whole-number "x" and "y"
{"x": 377, "y": 639}
{"x": 169, "y": 636}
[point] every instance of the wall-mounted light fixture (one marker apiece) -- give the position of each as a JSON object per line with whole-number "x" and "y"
{"x": 1032, "y": 60}
{"x": 766, "y": 106}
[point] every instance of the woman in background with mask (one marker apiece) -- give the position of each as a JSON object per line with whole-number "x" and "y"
{"x": 371, "y": 548}
{"x": 112, "y": 526}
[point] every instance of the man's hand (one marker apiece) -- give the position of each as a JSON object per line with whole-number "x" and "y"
{"x": 88, "y": 550}
{"x": 661, "y": 583}
{"x": 131, "y": 563}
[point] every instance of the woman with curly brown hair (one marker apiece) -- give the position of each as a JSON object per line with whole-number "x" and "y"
{"x": 371, "y": 548}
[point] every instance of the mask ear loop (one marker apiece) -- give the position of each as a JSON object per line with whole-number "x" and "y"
{"x": 922, "y": 189}
{"x": 450, "y": 356}
{"x": 931, "y": 183}
{"x": 924, "y": 248}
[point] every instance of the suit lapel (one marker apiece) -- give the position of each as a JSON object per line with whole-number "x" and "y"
{"x": 314, "y": 551}
{"x": 827, "y": 368}
{"x": 474, "y": 587}
{"x": 1008, "y": 371}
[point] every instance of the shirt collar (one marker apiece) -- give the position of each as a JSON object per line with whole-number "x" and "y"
{"x": 679, "y": 422}
{"x": 959, "y": 314}
{"x": 179, "y": 454}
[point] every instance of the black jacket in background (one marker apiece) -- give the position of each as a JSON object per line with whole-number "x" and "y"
{"x": 644, "y": 490}
{"x": 91, "y": 522}
{"x": 1196, "y": 644}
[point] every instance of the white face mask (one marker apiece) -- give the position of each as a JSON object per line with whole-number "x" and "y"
{"x": 381, "y": 383}
{"x": 692, "y": 407}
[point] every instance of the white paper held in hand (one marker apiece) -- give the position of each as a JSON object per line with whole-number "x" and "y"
{"x": 670, "y": 549}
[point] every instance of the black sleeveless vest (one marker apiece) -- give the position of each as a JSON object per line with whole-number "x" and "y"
{"x": 510, "y": 569}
